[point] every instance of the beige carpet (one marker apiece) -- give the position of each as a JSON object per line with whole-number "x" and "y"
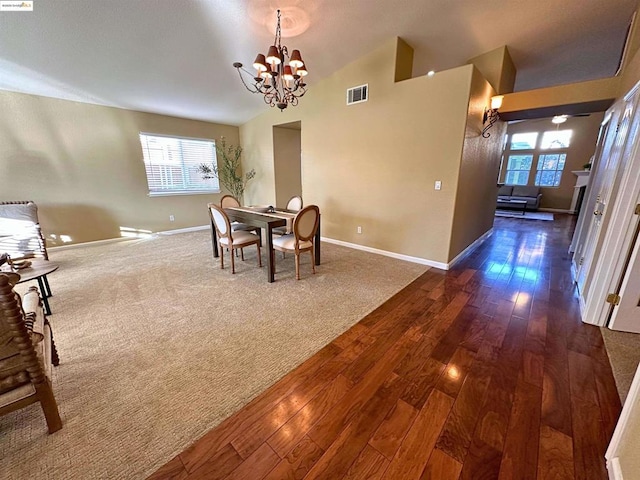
{"x": 158, "y": 346}
{"x": 623, "y": 349}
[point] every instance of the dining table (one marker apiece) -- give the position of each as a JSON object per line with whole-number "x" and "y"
{"x": 267, "y": 220}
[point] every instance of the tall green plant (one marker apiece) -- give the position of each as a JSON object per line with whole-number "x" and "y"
{"x": 228, "y": 170}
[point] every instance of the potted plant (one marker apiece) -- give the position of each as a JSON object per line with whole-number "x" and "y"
{"x": 587, "y": 166}
{"x": 228, "y": 171}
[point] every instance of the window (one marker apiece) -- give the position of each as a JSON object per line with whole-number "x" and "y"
{"x": 171, "y": 164}
{"x": 518, "y": 168}
{"x": 524, "y": 141}
{"x": 548, "y": 150}
{"x": 556, "y": 139}
{"x": 550, "y": 169}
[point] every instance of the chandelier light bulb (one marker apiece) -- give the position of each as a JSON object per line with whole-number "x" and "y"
{"x": 296, "y": 59}
{"x": 273, "y": 57}
{"x": 260, "y": 63}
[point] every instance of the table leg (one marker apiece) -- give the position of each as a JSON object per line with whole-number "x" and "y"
{"x": 524, "y": 209}
{"x": 317, "y": 244}
{"x": 271, "y": 274}
{"x": 214, "y": 241}
{"x": 45, "y": 299}
{"x": 47, "y": 287}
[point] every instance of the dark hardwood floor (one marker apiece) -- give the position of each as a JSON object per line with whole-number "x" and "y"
{"x": 481, "y": 372}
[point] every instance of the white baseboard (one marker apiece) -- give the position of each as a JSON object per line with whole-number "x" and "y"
{"x": 122, "y": 239}
{"x": 613, "y": 467}
{"x": 408, "y": 258}
{"x": 399, "y": 256}
{"x": 184, "y": 230}
{"x": 478, "y": 241}
{"x": 90, "y": 244}
{"x": 555, "y": 210}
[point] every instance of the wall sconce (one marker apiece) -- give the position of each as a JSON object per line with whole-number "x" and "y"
{"x": 491, "y": 115}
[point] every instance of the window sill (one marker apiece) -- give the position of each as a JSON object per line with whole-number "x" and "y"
{"x": 182, "y": 192}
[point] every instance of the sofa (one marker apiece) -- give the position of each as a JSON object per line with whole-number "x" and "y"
{"x": 531, "y": 195}
{"x": 20, "y": 233}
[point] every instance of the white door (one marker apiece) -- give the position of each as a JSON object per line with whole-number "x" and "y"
{"x": 604, "y": 178}
{"x": 623, "y": 461}
{"x": 615, "y": 250}
{"x": 626, "y": 315}
{"x": 605, "y": 139}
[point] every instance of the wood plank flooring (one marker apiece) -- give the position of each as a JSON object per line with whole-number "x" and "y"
{"x": 481, "y": 372}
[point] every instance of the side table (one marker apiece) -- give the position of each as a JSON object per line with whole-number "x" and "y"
{"x": 39, "y": 270}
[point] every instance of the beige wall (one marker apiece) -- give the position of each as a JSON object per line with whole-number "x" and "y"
{"x": 498, "y": 68}
{"x": 583, "y": 145}
{"x": 374, "y": 164}
{"x": 286, "y": 159}
{"x": 476, "y": 187}
{"x": 82, "y": 164}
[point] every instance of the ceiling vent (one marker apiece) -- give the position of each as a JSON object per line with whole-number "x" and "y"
{"x": 358, "y": 94}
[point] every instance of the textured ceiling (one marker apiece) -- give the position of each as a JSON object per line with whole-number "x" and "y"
{"x": 174, "y": 57}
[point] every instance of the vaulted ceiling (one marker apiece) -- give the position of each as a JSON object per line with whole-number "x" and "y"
{"x": 174, "y": 57}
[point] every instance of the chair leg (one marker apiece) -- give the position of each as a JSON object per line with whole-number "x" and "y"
{"x": 233, "y": 262}
{"x": 55, "y": 359}
{"x": 313, "y": 261}
{"x": 259, "y": 255}
{"x": 49, "y": 406}
{"x": 221, "y": 250}
{"x": 297, "y": 266}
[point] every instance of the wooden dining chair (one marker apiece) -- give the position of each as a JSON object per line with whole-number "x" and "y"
{"x": 229, "y": 201}
{"x": 228, "y": 238}
{"x": 295, "y": 205}
{"x": 305, "y": 226}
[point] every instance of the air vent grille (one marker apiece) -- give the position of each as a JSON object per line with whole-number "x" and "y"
{"x": 358, "y": 94}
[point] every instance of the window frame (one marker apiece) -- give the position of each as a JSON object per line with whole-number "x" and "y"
{"x": 540, "y": 163}
{"x": 537, "y": 153}
{"x": 508, "y": 170}
{"x": 185, "y": 166}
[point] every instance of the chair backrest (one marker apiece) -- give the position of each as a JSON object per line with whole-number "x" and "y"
{"x": 26, "y": 353}
{"x": 229, "y": 201}
{"x": 18, "y": 355}
{"x": 220, "y": 220}
{"x": 305, "y": 224}
{"x": 20, "y": 232}
{"x": 295, "y": 203}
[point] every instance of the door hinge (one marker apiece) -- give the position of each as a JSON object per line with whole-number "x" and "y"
{"x": 613, "y": 299}
{"x": 581, "y": 261}
{"x": 637, "y": 211}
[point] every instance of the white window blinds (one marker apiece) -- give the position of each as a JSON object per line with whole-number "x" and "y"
{"x": 171, "y": 164}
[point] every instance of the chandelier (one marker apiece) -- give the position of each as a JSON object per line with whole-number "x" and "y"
{"x": 280, "y": 76}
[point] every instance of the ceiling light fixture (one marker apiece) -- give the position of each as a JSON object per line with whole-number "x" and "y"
{"x": 280, "y": 76}
{"x": 558, "y": 119}
{"x": 491, "y": 114}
